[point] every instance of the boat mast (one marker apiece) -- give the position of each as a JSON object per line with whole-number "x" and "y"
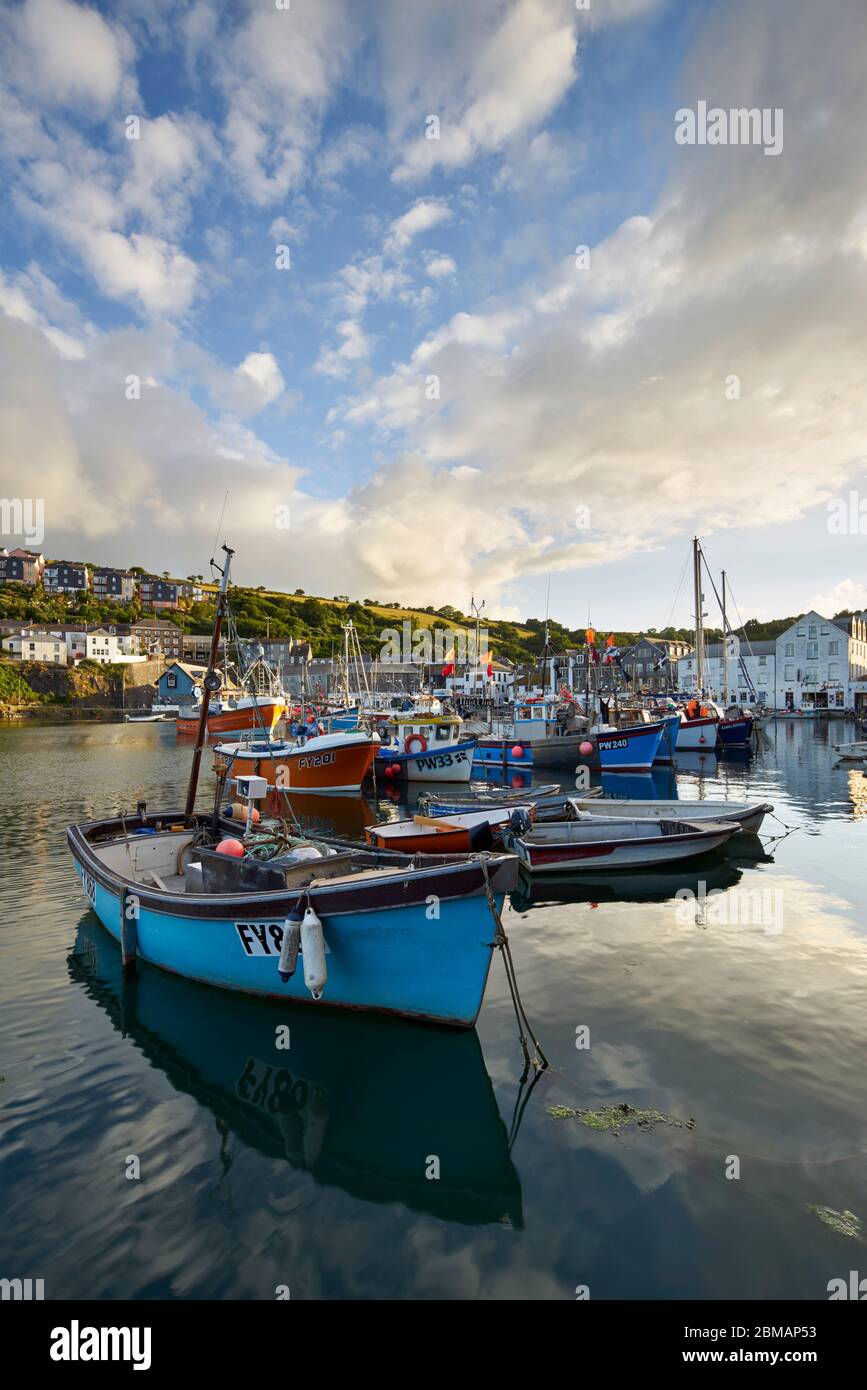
{"x": 725, "y": 643}
{"x": 211, "y": 682}
{"x": 699, "y": 616}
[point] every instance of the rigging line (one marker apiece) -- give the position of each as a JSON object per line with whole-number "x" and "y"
{"x": 677, "y": 591}
{"x": 220, "y": 524}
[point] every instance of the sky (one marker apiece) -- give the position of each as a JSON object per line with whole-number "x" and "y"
{"x": 434, "y": 292}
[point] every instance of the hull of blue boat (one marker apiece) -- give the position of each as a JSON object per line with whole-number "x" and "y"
{"x": 735, "y": 733}
{"x": 396, "y": 961}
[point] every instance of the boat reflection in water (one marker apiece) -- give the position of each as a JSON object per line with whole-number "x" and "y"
{"x": 356, "y": 1101}
{"x": 629, "y": 886}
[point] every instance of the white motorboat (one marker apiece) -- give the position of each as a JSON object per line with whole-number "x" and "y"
{"x": 748, "y": 815}
{"x": 611, "y": 842}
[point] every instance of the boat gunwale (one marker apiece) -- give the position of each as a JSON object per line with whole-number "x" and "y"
{"x": 217, "y": 906}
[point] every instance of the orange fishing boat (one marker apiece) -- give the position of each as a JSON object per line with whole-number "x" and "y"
{"x": 234, "y": 718}
{"x": 328, "y": 763}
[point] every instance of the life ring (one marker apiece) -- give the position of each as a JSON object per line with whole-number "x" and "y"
{"x": 414, "y": 738}
{"x": 383, "y": 731}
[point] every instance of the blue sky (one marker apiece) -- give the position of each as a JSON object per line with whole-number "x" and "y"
{"x": 432, "y": 386}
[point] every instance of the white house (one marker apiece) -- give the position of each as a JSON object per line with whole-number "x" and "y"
{"x": 756, "y": 660}
{"x": 108, "y": 648}
{"x": 36, "y": 645}
{"x": 820, "y": 663}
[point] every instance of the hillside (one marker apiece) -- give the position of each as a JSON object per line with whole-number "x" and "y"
{"x": 263, "y": 612}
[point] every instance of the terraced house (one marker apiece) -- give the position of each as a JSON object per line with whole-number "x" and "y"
{"x": 20, "y": 566}
{"x": 66, "y": 577}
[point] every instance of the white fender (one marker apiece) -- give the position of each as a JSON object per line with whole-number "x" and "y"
{"x": 289, "y": 948}
{"x": 313, "y": 951}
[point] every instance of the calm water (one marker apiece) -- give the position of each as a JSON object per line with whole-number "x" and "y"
{"x": 751, "y": 1023}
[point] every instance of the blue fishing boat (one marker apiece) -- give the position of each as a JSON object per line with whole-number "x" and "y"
{"x": 559, "y": 735}
{"x": 392, "y": 937}
{"x": 735, "y": 729}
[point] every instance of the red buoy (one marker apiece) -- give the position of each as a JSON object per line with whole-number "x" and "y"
{"x": 517, "y": 751}
{"x": 233, "y": 848}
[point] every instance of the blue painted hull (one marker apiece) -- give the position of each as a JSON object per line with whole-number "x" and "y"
{"x": 668, "y": 742}
{"x": 735, "y": 733}
{"x": 629, "y": 750}
{"x": 397, "y": 960}
{"x": 498, "y": 753}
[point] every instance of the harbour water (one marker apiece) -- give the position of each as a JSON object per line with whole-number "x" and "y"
{"x": 374, "y": 1158}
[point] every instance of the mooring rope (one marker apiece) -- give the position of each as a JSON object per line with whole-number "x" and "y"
{"x": 501, "y": 940}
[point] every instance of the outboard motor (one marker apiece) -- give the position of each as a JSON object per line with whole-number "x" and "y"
{"x": 519, "y": 821}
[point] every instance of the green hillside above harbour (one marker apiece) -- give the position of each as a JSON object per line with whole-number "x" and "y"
{"x": 262, "y": 612}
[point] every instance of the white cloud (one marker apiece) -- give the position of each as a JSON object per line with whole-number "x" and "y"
{"x": 849, "y": 593}
{"x": 261, "y": 369}
{"x": 439, "y": 267}
{"x": 504, "y": 70}
{"x": 69, "y": 53}
{"x": 279, "y": 71}
{"x": 424, "y": 214}
{"x": 354, "y": 348}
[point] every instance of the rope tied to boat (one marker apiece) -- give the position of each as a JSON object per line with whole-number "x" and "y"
{"x": 539, "y": 1062}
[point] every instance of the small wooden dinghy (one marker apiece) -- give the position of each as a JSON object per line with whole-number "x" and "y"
{"x": 452, "y": 834}
{"x": 615, "y": 843}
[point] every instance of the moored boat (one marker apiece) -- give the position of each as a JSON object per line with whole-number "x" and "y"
{"x": 232, "y": 718}
{"x": 458, "y": 833}
{"x": 747, "y": 815}
{"x": 615, "y": 842}
{"x": 424, "y": 748}
{"x": 326, "y": 763}
{"x": 377, "y": 945}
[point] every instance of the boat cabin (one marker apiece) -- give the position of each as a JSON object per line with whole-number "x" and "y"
{"x": 434, "y": 732}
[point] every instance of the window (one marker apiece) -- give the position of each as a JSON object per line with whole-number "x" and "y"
{"x": 812, "y": 651}
{"x": 790, "y": 649}
{"x": 833, "y": 671}
{"x": 800, "y": 632}
{"x": 790, "y": 673}
{"x": 833, "y": 648}
{"x": 763, "y": 661}
{"x": 813, "y": 630}
{"x": 810, "y": 677}
{"x": 171, "y": 681}
{"x": 443, "y": 733}
{"x": 825, "y": 630}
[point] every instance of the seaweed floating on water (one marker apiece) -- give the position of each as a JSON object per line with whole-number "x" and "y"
{"x": 611, "y": 1119}
{"x": 845, "y": 1223}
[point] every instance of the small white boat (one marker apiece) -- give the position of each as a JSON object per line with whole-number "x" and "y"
{"x": 854, "y": 752}
{"x": 144, "y": 719}
{"x": 748, "y": 815}
{"x": 610, "y": 842}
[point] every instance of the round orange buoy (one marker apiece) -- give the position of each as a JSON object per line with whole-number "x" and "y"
{"x": 233, "y": 848}
{"x": 517, "y": 751}
{"x": 238, "y": 811}
{"x": 586, "y": 749}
